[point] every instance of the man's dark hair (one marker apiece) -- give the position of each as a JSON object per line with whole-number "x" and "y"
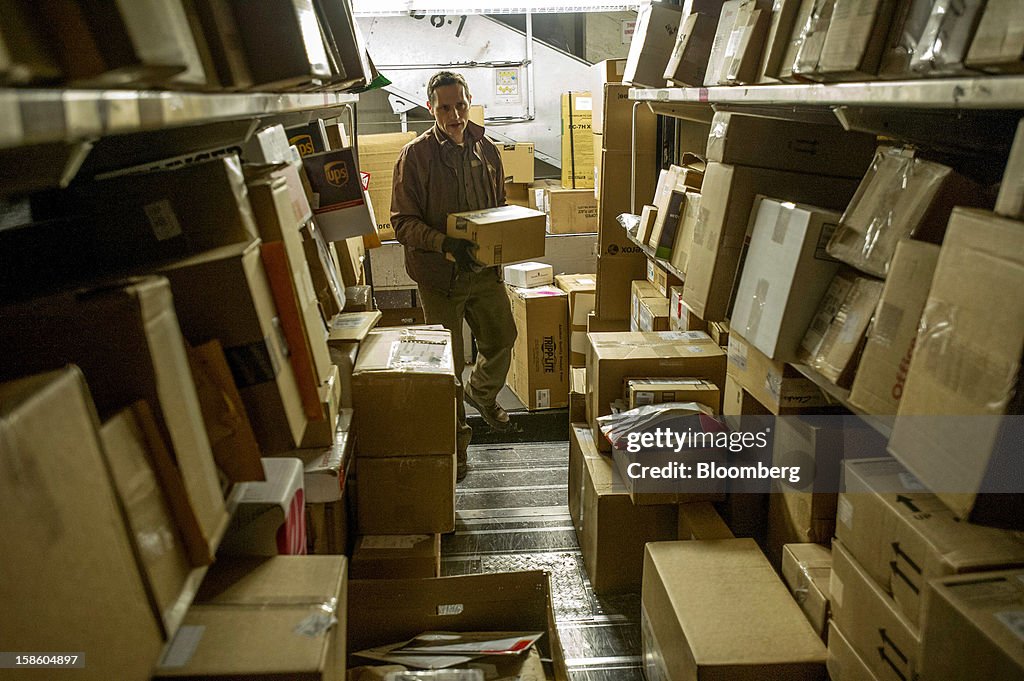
{"x": 443, "y": 78}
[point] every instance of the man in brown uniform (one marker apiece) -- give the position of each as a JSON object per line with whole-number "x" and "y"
{"x": 448, "y": 169}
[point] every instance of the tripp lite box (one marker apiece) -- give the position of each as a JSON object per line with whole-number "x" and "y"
{"x": 613, "y": 357}
{"x": 404, "y": 378}
{"x": 577, "y": 141}
{"x": 727, "y": 199}
{"x": 396, "y": 556}
{"x": 899, "y": 197}
{"x": 904, "y": 537}
{"x": 243, "y": 316}
{"x": 641, "y": 391}
{"x": 957, "y": 390}
{"x": 144, "y": 360}
{"x": 836, "y": 332}
{"x": 539, "y": 375}
{"x": 271, "y": 516}
{"x": 506, "y": 234}
{"x": 651, "y": 45}
{"x": 788, "y": 145}
{"x": 269, "y": 618}
{"x": 571, "y": 211}
{"x": 405, "y": 494}
{"x": 611, "y": 529}
{"x": 973, "y": 628}
{"x": 516, "y": 159}
{"x": 377, "y": 157}
{"x": 528, "y": 274}
{"x": 806, "y": 569}
{"x": 785, "y": 275}
{"x": 699, "y": 600}
{"x": 60, "y": 516}
{"x": 882, "y": 372}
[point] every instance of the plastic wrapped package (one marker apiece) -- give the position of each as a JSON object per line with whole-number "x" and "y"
{"x": 812, "y": 38}
{"x": 947, "y": 36}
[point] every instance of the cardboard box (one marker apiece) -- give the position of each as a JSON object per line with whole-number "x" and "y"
{"x": 324, "y": 468}
{"x": 796, "y": 146}
{"x": 282, "y": 43}
{"x": 688, "y": 62}
{"x": 886, "y": 640}
{"x": 947, "y": 37}
{"x": 683, "y": 246}
{"x": 133, "y": 459}
{"x": 700, "y": 521}
{"x": 339, "y": 200}
{"x": 777, "y": 40}
{"x": 321, "y": 433}
{"x": 577, "y": 141}
{"x": 971, "y": 631}
{"x": 578, "y": 396}
{"x": 607, "y": 71}
{"x": 1010, "y": 201}
{"x": 271, "y": 515}
{"x": 267, "y": 146}
{"x": 64, "y": 493}
{"x": 248, "y": 607}
{"x": 899, "y": 197}
{"x": 330, "y": 525}
{"x": 835, "y": 337}
{"x": 943, "y": 411}
{"x": 844, "y": 663}
{"x": 220, "y": 31}
{"x": 681, "y": 318}
{"x": 571, "y": 211}
{"x": 669, "y": 196}
{"x": 612, "y": 530}
{"x": 812, "y": 40}
{"x": 24, "y": 56}
{"x": 643, "y": 391}
{"x": 377, "y": 156}
{"x": 517, "y": 194}
{"x": 612, "y": 292}
{"x": 539, "y": 375}
{"x": 723, "y": 31}
{"x": 651, "y": 46}
{"x": 719, "y": 235}
{"x": 719, "y": 332}
{"x": 856, "y": 39}
{"x": 405, "y": 494}
{"x": 807, "y": 569}
{"x": 581, "y": 443}
{"x": 638, "y": 291}
{"x": 517, "y": 160}
{"x": 387, "y": 264}
{"x": 324, "y": 269}
{"x": 309, "y": 138}
{"x": 243, "y": 316}
{"x": 386, "y": 611}
{"x": 503, "y": 235}
{"x": 746, "y": 43}
{"x": 582, "y": 292}
{"x": 653, "y": 315}
{"x": 698, "y": 600}
{"x": 144, "y": 360}
{"x": 404, "y": 377}
{"x": 615, "y": 356}
{"x": 619, "y": 187}
{"x": 998, "y": 45}
{"x": 776, "y": 385}
{"x": 784, "y": 277}
{"x": 400, "y": 556}
{"x": 882, "y": 372}
{"x": 795, "y": 38}
{"x": 904, "y": 537}
{"x": 618, "y": 121}
{"x": 528, "y": 274}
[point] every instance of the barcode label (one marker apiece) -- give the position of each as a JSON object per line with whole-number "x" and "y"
{"x": 543, "y": 398}
{"x": 162, "y": 220}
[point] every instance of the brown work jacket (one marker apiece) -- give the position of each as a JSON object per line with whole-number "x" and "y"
{"x": 424, "y": 193}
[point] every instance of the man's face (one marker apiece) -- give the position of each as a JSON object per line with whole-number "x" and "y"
{"x": 451, "y": 110}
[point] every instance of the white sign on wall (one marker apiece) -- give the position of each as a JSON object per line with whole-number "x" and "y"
{"x": 628, "y": 28}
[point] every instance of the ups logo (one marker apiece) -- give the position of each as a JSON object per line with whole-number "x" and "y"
{"x": 304, "y": 143}
{"x": 336, "y": 173}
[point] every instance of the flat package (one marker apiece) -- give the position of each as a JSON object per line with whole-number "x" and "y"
{"x": 653, "y": 39}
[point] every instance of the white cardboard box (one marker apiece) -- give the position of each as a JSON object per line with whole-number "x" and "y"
{"x": 529, "y": 274}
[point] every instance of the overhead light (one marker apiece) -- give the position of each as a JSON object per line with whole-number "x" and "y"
{"x": 378, "y": 8}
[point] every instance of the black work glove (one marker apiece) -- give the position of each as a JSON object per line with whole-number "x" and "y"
{"x": 460, "y": 249}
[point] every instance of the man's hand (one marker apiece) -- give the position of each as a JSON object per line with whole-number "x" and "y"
{"x": 460, "y": 250}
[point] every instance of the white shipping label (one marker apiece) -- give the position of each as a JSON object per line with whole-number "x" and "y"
{"x": 737, "y": 353}
{"x": 183, "y": 647}
{"x": 584, "y": 104}
{"x": 543, "y": 398}
{"x": 162, "y": 220}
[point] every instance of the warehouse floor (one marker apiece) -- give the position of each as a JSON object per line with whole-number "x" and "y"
{"x": 512, "y": 514}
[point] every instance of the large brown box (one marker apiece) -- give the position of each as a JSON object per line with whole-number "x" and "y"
{"x": 613, "y": 357}
{"x": 880, "y": 634}
{"x": 965, "y": 374}
{"x": 618, "y": 122}
{"x": 396, "y": 556}
{"x": 727, "y": 199}
{"x": 405, "y": 494}
{"x": 377, "y": 157}
{"x": 612, "y": 530}
{"x": 904, "y": 537}
{"x": 405, "y": 379}
{"x": 776, "y": 385}
{"x": 282, "y": 42}
{"x": 856, "y": 39}
{"x": 503, "y": 235}
{"x": 973, "y": 629}
{"x": 807, "y": 569}
{"x": 539, "y": 375}
{"x": 998, "y": 45}
{"x": 270, "y": 618}
{"x": 68, "y": 552}
{"x": 144, "y": 360}
{"x": 651, "y": 45}
{"x": 225, "y": 294}
{"x": 844, "y": 663}
{"x": 699, "y": 600}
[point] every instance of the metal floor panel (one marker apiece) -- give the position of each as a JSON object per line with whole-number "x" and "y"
{"x": 512, "y": 514}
